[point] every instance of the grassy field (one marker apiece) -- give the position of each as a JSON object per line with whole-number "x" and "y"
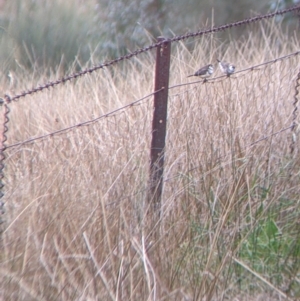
{"x": 77, "y": 223}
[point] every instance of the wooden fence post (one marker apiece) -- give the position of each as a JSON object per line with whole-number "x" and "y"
{"x": 159, "y": 122}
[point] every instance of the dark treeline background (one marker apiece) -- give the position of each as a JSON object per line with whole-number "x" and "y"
{"x": 69, "y": 34}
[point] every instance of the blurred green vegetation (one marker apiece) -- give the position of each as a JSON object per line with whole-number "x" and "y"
{"x": 62, "y": 34}
{"x": 43, "y": 34}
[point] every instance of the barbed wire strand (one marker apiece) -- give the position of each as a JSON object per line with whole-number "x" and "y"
{"x": 295, "y": 114}
{"x": 85, "y": 123}
{"x": 215, "y": 29}
{"x": 3, "y": 102}
{"x": 237, "y": 23}
{"x": 211, "y": 80}
{"x": 269, "y": 136}
{"x": 252, "y": 68}
{"x": 51, "y": 84}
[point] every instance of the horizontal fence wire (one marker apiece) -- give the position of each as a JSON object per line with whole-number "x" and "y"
{"x": 109, "y": 162}
{"x": 247, "y": 147}
{"x": 216, "y": 29}
{"x": 266, "y": 91}
{"x": 237, "y": 74}
{"x": 84, "y": 123}
{"x": 121, "y": 142}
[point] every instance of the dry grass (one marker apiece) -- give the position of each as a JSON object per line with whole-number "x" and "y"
{"x": 76, "y": 213}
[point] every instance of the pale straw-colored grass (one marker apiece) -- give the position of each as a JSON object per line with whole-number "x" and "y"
{"x": 76, "y": 203}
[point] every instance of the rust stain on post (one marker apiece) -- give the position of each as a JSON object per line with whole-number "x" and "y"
{"x": 159, "y": 122}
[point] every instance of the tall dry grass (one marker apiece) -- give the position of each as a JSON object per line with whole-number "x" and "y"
{"x": 76, "y": 224}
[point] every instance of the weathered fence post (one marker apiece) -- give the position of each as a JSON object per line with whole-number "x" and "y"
{"x": 159, "y": 122}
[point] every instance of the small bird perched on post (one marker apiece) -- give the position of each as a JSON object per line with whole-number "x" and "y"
{"x": 204, "y": 72}
{"x": 226, "y": 68}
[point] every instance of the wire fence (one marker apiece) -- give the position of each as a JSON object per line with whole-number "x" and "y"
{"x": 63, "y": 80}
{"x": 267, "y": 81}
{"x": 148, "y": 98}
{"x": 76, "y": 164}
